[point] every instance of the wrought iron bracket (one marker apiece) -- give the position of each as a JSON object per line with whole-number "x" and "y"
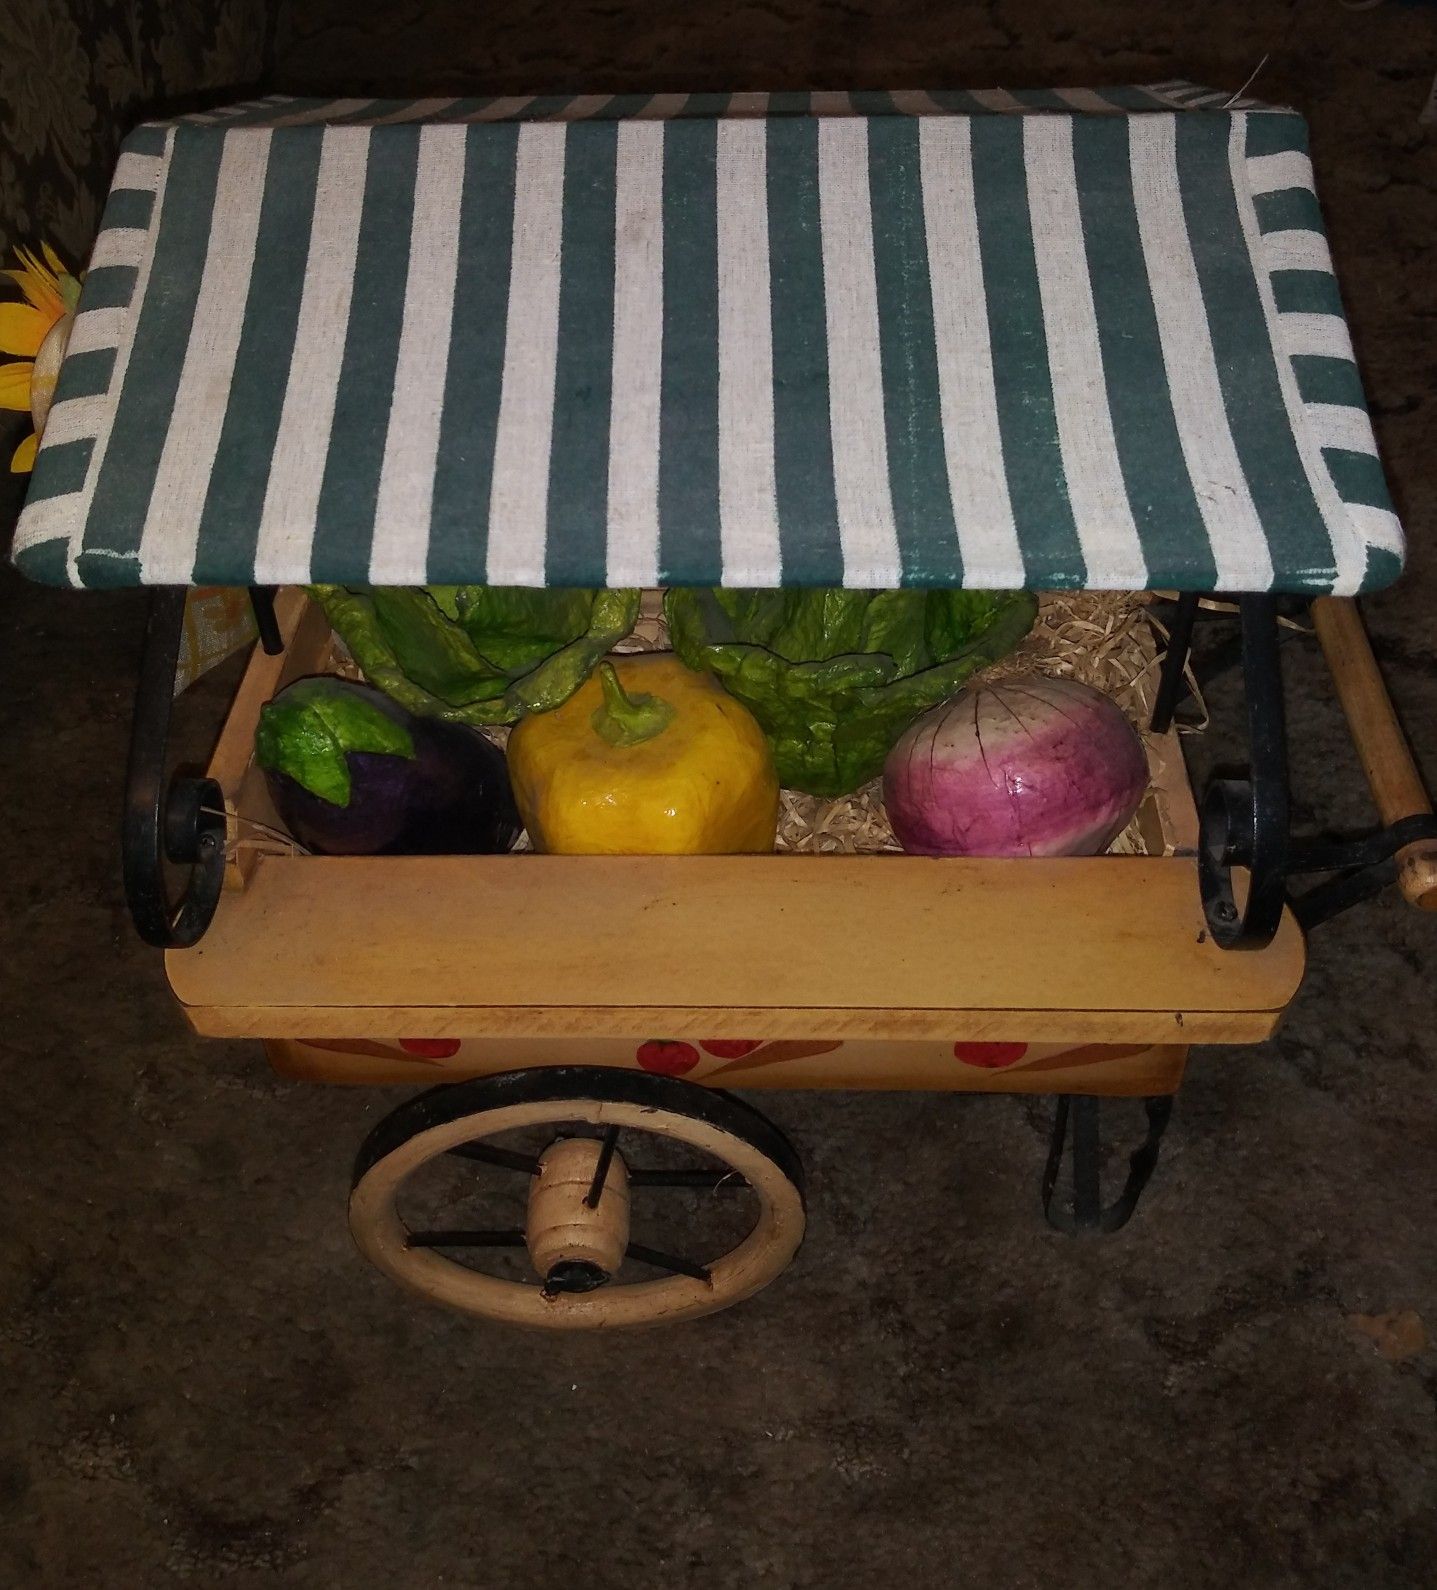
{"x": 1244, "y": 822}
{"x": 173, "y": 823}
{"x": 1078, "y": 1119}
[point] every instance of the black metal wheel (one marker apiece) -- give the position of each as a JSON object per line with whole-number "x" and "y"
{"x": 584, "y": 1270}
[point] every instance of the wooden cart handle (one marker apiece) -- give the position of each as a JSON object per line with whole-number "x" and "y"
{"x": 1396, "y": 785}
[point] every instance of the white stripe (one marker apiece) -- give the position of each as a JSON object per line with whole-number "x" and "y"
{"x": 1296, "y": 251}
{"x": 1342, "y": 425}
{"x": 747, "y": 105}
{"x": 1327, "y": 335}
{"x": 75, "y": 419}
{"x": 1087, "y": 99}
{"x": 829, "y": 102}
{"x": 998, "y": 99}
{"x": 1377, "y": 527}
{"x": 1240, "y": 551}
{"x": 126, "y": 320}
{"x": 331, "y": 110}
{"x": 1349, "y": 555}
{"x": 972, "y": 441}
{"x": 1272, "y": 173}
{"x": 415, "y": 112}
{"x": 661, "y": 107}
{"x": 748, "y": 498}
{"x": 1163, "y": 92}
{"x": 137, "y": 171}
{"x": 633, "y": 553}
{"x": 119, "y": 245}
{"x": 96, "y": 328}
{"x": 519, "y": 494}
{"x": 405, "y": 496}
{"x": 581, "y": 106}
{"x": 1220, "y": 97}
{"x": 1112, "y": 549}
{"x": 915, "y": 102}
{"x": 296, "y": 472}
{"x": 172, "y": 518}
{"x": 49, "y": 519}
{"x": 502, "y": 109}
{"x": 866, "y": 526}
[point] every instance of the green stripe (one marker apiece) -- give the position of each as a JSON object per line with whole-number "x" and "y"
{"x": 1288, "y": 210}
{"x": 46, "y": 562}
{"x": 624, "y": 105}
{"x": 872, "y": 102}
{"x": 542, "y": 106}
{"x": 689, "y": 548}
{"x": 344, "y": 516}
{"x": 789, "y": 103}
{"x": 1040, "y": 99}
{"x": 1037, "y": 486}
{"x": 85, "y": 374}
{"x": 1275, "y": 134}
{"x": 1155, "y": 472}
{"x": 1383, "y": 567}
{"x": 1322, "y": 379}
{"x": 913, "y": 418}
{"x": 147, "y": 399}
{"x": 706, "y": 105}
{"x": 469, "y": 419}
{"x": 1306, "y": 292}
{"x": 958, "y": 101}
{"x": 60, "y": 469}
{"x": 148, "y": 140}
{"x": 234, "y": 499}
{"x": 1246, "y": 362}
{"x": 108, "y": 287}
{"x": 803, "y": 449}
{"x": 583, "y": 383}
{"x": 372, "y": 112}
{"x": 128, "y": 208}
{"x": 1358, "y": 477}
{"x": 1135, "y": 97}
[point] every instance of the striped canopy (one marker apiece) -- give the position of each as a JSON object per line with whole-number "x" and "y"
{"x": 752, "y": 340}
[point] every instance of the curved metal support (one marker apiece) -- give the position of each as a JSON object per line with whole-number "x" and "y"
{"x": 1244, "y": 822}
{"x": 180, "y": 822}
{"x": 1087, "y": 1213}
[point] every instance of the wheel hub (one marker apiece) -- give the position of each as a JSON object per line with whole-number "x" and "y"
{"x": 578, "y": 1221}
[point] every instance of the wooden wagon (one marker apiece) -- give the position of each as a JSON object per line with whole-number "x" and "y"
{"x": 1048, "y": 340}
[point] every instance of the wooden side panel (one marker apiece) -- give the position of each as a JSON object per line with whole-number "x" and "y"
{"x": 1126, "y": 1070}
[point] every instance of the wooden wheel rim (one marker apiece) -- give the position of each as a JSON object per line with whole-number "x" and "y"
{"x": 382, "y": 1171}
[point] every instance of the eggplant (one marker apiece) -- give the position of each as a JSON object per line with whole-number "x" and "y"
{"x": 352, "y": 773}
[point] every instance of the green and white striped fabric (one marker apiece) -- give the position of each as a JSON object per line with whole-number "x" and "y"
{"x": 1062, "y": 339}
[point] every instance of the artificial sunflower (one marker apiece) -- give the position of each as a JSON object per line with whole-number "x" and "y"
{"x": 34, "y": 334}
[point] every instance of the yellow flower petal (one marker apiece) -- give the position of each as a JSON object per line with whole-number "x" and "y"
{"x": 22, "y": 330}
{"x": 15, "y": 385}
{"x": 38, "y": 290}
{"x": 24, "y": 460}
{"x": 53, "y": 260}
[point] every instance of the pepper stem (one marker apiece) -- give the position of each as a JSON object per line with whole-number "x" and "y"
{"x": 625, "y": 720}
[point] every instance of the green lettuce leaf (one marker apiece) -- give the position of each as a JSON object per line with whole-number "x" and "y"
{"x": 476, "y": 655}
{"x": 308, "y": 730}
{"x": 834, "y": 677}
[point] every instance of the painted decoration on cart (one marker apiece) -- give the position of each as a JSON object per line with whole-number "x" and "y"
{"x": 966, "y": 1065}
{"x": 872, "y": 340}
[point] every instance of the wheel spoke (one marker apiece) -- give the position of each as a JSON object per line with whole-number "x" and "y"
{"x": 667, "y": 1261}
{"x": 704, "y": 1180}
{"x": 601, "y": 1169}
{"x": 464, "y": 1239}
{"x": 503, "y": 1158}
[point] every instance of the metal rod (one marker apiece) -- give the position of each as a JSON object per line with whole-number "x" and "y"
{"x": 1180, "y": 638}
{"x": 464, "y": 1239}
{"x": 601, "y": 1169}
{"x": 261, "y": 601}
{"x": 667, "y": 1261}
{"x": 503, "y": 1158}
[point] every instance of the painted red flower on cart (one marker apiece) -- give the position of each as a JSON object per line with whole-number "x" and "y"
{"x": 990, "y": 1055}
{"x": 667, "y": 1057}
{"x": 430, "y": 1048}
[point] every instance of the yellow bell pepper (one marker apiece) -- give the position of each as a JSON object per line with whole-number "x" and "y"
{"x": 646, "y": 758}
